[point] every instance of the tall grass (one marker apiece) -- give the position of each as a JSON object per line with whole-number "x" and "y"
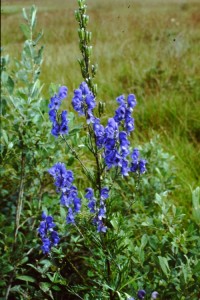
{"x": 150, "y": 48}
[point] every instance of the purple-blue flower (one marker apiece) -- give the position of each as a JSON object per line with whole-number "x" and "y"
{"x": 111, "y": 129}
{"x": 101, "y": 227}
{"x": 104, "y": 193}
{"x": 131, "y": 100}
{"x": 48, "y": 235}
{"x": 142, "y": 166}
{"x": 89, "y": 193}
{"x": 62, "y": 93}
{"x": 70, "y": 217}
{"x": 125, "y": 167}
{"x": 124, "y": 143}
{"x": 55, "y": 102}
{"x": 92, "y": 201}
{"x": 59, "y": 123}
{"x": 154, "y": 295}
{"x": 84, "y": 102}
{"x": 141, "y": 294}
{"x": 64, "y": 123}
{"x": 135, "y": 155}
{"x": 136, "y": 164}
{"x": 69, "y": 193}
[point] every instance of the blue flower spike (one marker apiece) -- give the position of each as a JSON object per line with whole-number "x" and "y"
{"x": 48, "y": 235}
{"x": 59, "y": 123}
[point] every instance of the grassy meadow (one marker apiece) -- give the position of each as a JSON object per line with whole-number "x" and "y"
{"x": 149, "y": 48}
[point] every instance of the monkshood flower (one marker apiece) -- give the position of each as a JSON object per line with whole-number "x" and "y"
{"x": 69, "y": 193}
{"x": 92, "y": 200}
{"x": 100, "y": 211}
{"x": 48, "y": 235}
{"x": 59, "y": 123}
{"x": 124, "y": 144}
{"x": 99, "y": 132}
{"x": 136, "y": 164}
{"x": 124, "y": 112}
{"x": 154, "y": 295}
{"x": 84, "y": 102}
{"x": 141, "y": 294}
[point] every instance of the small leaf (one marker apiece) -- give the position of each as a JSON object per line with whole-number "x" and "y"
{"x": 10, "y": 85}
{"x": 25, "y": 29}
{"x": 40, "y": 34}
{"x": 33, "y": 16}
{"x": 144, "y": 241}
{"x": 45, "y": 286}
{"x": 26, "y": 278}
{"x": 196, "y": 205}
{"x": 164, "y": 264}
{"x": 24, "y": 14}
{"x": 4, "y": 134}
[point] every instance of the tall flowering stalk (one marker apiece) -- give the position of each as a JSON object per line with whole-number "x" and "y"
{"x": 109, "y": 145}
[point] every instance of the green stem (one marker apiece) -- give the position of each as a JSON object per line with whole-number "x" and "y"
{"x": 20, "y": 196}
{"x": 86, "y": 171}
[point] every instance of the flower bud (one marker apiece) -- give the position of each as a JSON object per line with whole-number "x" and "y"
{"x": 88, "y": 36}
{"x": 81, "y": 34}
{"x": 77, "y": 15}
{"x": 85, "y": 20}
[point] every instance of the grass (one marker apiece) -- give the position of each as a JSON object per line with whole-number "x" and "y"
{"x": 149, "y": 47}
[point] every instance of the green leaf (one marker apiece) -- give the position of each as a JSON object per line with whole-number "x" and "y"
{"x": 38, "y": 58}
{"x": 26, "y": 278}
{"x": 33, "y": 16}
{"x": 4, "y": 78}
{"x": 40, "y": 34}
{"x": 23, "y": 261}
{"x": 24, "y": 14}
{"x": 25, "y": 29}
{"x": 56, "y": 288}
{"x": 10, "y": 85}
{"x": 144, "y": 241}
{"x": 164, "y": 264}
{"x": 196, "y": 205}
{"x": 5, "y": 137}
{"x": 45, "y": 286}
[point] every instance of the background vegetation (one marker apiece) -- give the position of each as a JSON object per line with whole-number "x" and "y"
{"x": 149, "y": 48}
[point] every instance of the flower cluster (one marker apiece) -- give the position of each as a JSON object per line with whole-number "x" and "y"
{"x": 84, "y": 102}
{"x": 69, "y": 193}
{"x": 141, "y": 295}
{"x": 115, "y": 142}
{"x": 100, "y": 211}
{"x": 59, "y": 122}
{"x": 136, "y": 164}
{"x": 48, "y": 235}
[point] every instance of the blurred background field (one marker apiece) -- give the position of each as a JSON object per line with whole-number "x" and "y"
{"x": 149, "y": 48}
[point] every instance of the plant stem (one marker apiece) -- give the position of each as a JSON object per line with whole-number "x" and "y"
{"x": 86, "y": 171}
{"x": 20, "y": 196}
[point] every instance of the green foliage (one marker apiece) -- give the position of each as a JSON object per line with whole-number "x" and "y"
{"x": 26, "y": 153}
